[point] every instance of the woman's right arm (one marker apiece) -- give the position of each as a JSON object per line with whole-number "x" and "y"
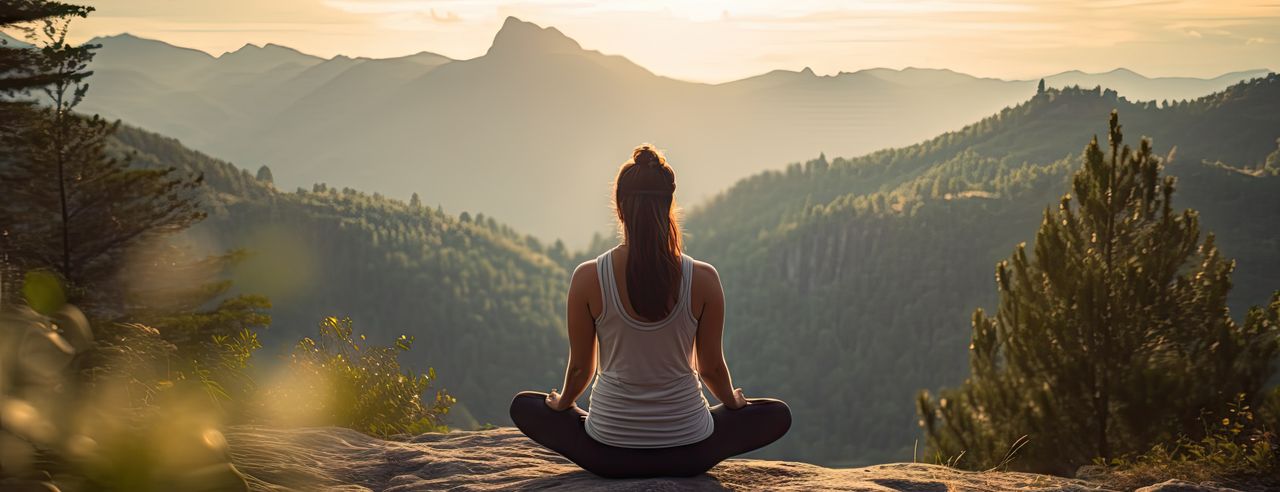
{"x": 709, "y": 346}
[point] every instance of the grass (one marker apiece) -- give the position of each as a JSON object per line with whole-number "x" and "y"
{"x": 1237, "y": 451}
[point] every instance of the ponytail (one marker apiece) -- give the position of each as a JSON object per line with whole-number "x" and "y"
{"x": 644, "y": 199}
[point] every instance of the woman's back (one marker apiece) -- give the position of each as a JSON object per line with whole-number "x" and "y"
{"x": 636, "y": 316}
{"x": 646, "y": 393}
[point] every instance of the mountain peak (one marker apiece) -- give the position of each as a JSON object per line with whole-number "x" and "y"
{"x": 124, "y": 36}
{"x": 269, "y": 47}
{"x": 520, "y": 37}
{"x": 268, "y": 55}
{"x": 247, "y": 48}
{"x": 1125, "y": 72}
{"x": 134, "y": 42}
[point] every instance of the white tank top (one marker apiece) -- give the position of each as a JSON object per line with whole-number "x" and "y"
{"x": 646, "y": 393}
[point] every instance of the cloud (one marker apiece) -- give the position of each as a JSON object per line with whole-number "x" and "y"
{"x": 716, "y": 40}
{"x": 447, "y": 16}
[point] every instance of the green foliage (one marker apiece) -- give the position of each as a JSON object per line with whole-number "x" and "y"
{"x": 479, "y": 292}
{"x": 134, "y": 403}
{"x": 1272, "y": 165}
{"x": 858, "y": 271}
{"x": 71, "y": 205}
{"x": 1239, "y": 449}
{"x": 138, "y": 406}
{"x": 1114, "y": 337}
{"x": 109, "y": 434}
{"x": 25, "y": 68}
{"x": 338, "y": 378}
{"x": 265, "y": 176}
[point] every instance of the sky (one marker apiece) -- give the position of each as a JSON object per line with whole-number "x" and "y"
{"x": 721, "y": 40}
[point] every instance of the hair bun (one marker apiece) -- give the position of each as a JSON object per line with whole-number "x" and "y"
{"x": 646, "y": 155}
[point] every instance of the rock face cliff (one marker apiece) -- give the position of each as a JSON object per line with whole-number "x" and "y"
{"x": 503, "y": 459}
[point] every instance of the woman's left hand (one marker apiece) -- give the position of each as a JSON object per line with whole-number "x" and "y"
{"x": 557, "y": 402}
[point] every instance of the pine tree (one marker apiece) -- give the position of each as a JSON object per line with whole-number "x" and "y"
{"x": 1272, "y": 165}
{"x": 25, "y": 68}
{"x": 415, "y": 201}
{"x": 1113, "y": 337}
{"x": 70, "y": 206}
{"x": 264, "y": 175}
{"x": 1040, "y": 88}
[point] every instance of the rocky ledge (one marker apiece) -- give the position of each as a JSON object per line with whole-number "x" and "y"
{"x": 503, "y": 459}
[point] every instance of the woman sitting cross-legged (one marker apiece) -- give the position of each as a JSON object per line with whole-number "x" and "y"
{"x": 652, "y": 317}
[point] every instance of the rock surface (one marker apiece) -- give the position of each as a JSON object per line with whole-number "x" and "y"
{"x": 503, "y": 459}
{"x": 1184, "y": 486}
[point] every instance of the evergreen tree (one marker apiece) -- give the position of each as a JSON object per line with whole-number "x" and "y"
{"x": 25, "y": 68}
{"x": 1272, "y": 165}
{"x": 1040, "y": 88}
{"x": 1113, "y": 337}
{"x": 70, "y": 206}
{"x": 264, "y": 175}
{"x": 415, "y": 201}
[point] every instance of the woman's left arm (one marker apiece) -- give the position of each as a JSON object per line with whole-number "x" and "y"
{"x": 582, "y": 340}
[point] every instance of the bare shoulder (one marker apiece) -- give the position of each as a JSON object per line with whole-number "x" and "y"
{"x": 585, "y": 273}
{"x": 705, "y": 275}
{"x": 706, "y": 290}
{"x": 584, "y": 288}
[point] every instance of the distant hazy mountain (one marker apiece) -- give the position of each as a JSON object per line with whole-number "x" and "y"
{"x": 533, "y": 130}
{"x": 1138, "y": 87}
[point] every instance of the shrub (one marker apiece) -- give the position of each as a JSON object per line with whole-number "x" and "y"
{"x": 1238, "y": 449}
{"x": 338, "y": 379}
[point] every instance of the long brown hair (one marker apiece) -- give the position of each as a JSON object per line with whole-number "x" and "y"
{"x": 644, "y": 199}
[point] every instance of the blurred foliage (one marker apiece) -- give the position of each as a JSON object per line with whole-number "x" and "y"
{"x": 132, "y": 396}
{"x": 96, "y": 433}
{"x": 339, "y": 378}
{"x": 1114, "y": 337}
{"x": 43, "y": 292}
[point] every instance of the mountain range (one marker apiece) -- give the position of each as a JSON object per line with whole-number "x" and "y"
{"x": 533, "y": 130}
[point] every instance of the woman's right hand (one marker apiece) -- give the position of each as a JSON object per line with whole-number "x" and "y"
{"x": 739, "y": 400}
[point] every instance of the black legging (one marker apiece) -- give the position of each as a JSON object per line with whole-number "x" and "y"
{"x": 736, "y": 431}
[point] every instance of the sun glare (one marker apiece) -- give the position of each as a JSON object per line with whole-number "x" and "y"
{"x": 719, "y": 41}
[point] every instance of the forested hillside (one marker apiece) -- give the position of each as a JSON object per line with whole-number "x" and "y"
{"x": 851, "y": 282}
{"x": 469, "y": 289}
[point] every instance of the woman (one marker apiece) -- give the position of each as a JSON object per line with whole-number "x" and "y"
{"x": 653, "y": 318}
